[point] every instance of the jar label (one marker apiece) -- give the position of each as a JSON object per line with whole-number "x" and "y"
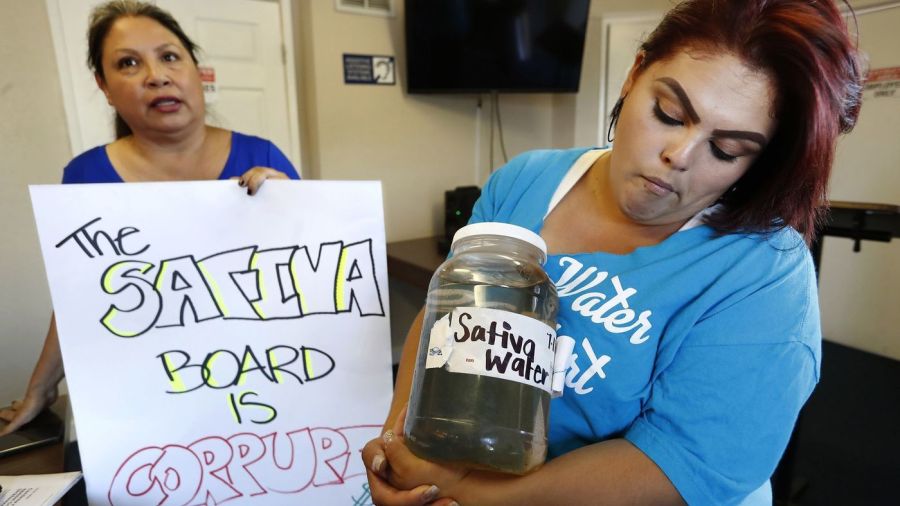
{"x": 496, "y": 343}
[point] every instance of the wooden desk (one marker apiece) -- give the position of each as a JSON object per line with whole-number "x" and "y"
{"x": 414, "y": 261}
{"x": 41, "y": 460}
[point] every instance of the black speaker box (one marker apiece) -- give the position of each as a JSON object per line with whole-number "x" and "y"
{"x": 458, "y": 204}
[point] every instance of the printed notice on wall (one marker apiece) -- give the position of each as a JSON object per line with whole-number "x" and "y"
{"x": 368, "y": 69}
{"x": 208, "y": 78}
{"x": 882, "y": 83}
{"x": 221, "y": 347}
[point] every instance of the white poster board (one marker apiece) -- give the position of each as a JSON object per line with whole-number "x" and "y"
{"x": 221, "y": 347}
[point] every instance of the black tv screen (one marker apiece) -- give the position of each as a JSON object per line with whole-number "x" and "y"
{"x": 475, "y": 46}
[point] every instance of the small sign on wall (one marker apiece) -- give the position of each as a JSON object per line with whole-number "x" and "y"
{"x": 882, "y": 83}
{"x": 208, "y": 78}
{"x": 368, "y": 69}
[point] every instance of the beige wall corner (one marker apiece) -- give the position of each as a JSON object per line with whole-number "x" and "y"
{"x": 35, "y": 148}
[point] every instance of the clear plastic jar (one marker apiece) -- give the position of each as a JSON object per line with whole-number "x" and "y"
{"x": 481, "y": 391}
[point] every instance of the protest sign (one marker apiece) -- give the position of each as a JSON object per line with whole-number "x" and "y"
{"x": 220, "y": 347}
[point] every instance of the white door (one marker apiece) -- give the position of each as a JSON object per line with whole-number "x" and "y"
{"x": 241, "y": 40}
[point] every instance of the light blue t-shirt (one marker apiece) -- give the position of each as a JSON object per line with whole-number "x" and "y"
{"x": 699, "y": 350}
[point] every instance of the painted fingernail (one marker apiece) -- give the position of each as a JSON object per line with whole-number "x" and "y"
{"x": 378, "y": 463}
{"x": 431, "y": 494}
{"x": 248, "y": 191}
{"x": 388, "y": 436}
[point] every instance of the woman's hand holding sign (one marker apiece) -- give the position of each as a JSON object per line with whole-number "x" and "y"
{"x": 255, "y": 177}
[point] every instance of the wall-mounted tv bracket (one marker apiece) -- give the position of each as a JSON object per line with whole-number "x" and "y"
{"x": 859, "y": 221}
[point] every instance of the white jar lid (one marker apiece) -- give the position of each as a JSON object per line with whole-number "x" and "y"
{"x": 502, "y": 229}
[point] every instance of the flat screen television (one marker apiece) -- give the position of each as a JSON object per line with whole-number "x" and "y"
{"x": 477, "y": 46}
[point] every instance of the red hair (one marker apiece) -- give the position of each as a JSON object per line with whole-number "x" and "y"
{"x": 804, "y": 46}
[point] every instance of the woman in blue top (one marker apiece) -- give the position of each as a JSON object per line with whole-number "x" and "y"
{"x": 147, "y": 67}
{"x": 682, "y": 270}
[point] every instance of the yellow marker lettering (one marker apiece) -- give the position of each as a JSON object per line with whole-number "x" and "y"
{"x": 107, "y": 322}
{"x": 177, "y": 383}
{"x": 234, "y": 413}
{"x": 111, "y": 271}
{"x": 243, "y": 372}
{"x": 217, "y": 293}
{"x": 273, "y": 366}
{"x": 303, "y": 307}
{"x": 112, "y": 313}
{"x": 261, "y": 285}
{"x": 307, "y": 361}
{"x": 339, "y": 285}
{"x": 207, "y": 370}
{"x": 162, "y": 273}
{"x": 109, "y": 274}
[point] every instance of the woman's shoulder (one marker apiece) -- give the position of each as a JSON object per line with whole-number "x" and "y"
{"x": 91, "y": 166}
{"x": 248, "y": 151}
{"x": 783, "y": 245}
{"x": 520, "y": 191}
{"x": 751, "y": 256}
{"x": 248, "y": 139}
{"x": 89, "y": 156}
{"x": 775, "y": 266}
{"x": 536, "y": 166}
{"x": 542, "y": 160}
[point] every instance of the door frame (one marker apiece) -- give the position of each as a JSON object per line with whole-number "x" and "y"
{"x": 607, "y": 21}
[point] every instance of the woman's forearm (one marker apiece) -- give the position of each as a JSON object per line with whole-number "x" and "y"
{"x": 48, "y": 371}
{"x": 42, "y": 387}
{"x": 407, "y": 366}
{"x": 611, "y": 472}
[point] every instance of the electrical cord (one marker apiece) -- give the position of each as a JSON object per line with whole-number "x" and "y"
{"x": 491, "y": 143}
{"x": 496, "y": 108}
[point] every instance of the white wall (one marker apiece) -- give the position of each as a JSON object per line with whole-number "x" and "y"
{"x": 860, "y": 292}
{"x": 417, "y": 145}
{"x": 34, "y": 148}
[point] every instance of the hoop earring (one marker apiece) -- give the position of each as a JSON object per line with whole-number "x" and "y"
{"x": 614, "y": 118}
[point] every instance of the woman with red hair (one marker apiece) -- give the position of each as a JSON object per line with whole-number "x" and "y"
{"x": 681, "y": 262}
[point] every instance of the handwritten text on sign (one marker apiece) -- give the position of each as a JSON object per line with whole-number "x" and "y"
{"x": 214, "y": 317}
{"x": 496, "y": 343}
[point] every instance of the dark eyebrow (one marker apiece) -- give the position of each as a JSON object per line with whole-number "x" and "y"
{"x": 689, "y": 108}
{"x": 161, "y": 47}
{"x": 682, "y": 96}
{"x": 741, "y": 134}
